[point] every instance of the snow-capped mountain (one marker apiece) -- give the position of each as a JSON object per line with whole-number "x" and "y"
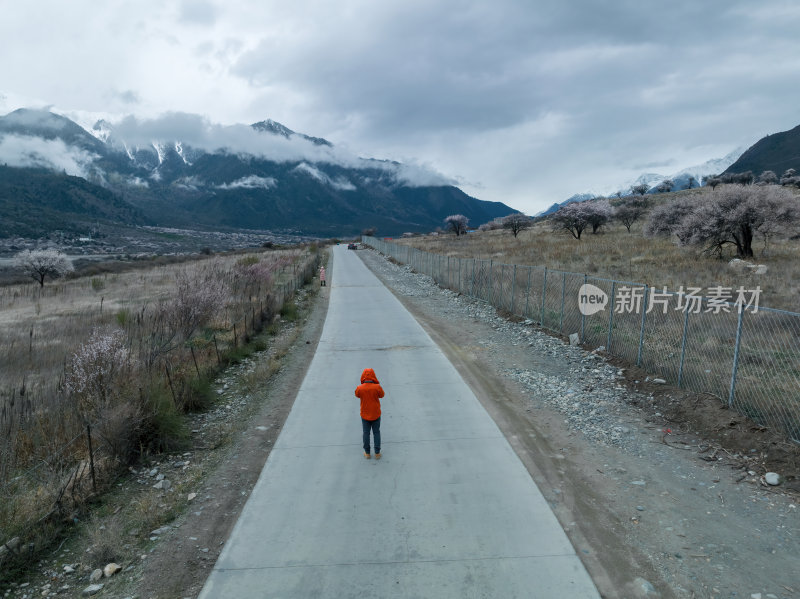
{"x": 682, "y": 179}
{"x": 182, "y": 170}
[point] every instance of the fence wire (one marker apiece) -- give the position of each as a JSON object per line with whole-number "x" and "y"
{"x": 747, "y": 356}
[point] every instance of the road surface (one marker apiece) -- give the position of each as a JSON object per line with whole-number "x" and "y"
{"x": 449, "y": 511}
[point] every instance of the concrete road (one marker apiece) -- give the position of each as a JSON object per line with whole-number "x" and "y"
{"x": 450, "y": 511}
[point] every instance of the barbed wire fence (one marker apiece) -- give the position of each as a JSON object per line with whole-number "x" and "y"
{"x": 745, "y": 354}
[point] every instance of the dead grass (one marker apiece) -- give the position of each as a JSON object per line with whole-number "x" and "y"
{"x": 613, "y": 253}
{"x": 40, "y": 423}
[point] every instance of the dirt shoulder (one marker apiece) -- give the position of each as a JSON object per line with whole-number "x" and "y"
{"x": 180, "y": 563}
{"x": 660, "y": 491}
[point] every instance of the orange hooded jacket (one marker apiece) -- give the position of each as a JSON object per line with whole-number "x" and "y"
{"x": 370, "y": 393}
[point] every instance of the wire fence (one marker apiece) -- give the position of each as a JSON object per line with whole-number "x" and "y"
{"x": 722, "y": 343}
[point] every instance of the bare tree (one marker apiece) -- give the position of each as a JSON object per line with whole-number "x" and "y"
{"x": 712, "y": 181}
{"x": 665, "y": 186}
{"x": 457, "y": 223}
{"x": 40, "y": 264}
{"x": 629, "y": 210}
{"x": 515, "y": 222}
{"x": 745, "y": 178}
{"x": 641, "y": 189}
{"x": 692, "y": 182}
{"x": 733, "y": 215}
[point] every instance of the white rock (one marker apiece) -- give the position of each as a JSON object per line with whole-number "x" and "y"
{"x": 660, "y": 381}
{"x": 11, "y": 545}
{"x": 96, "y": 575}
{"x": 162, "y": 484}
{"x": 739, "y": 264}
{"x": 92, "y": 589}
{"x": 191, "y": 496}
{"x": 574, "y": 339}
{"x": 772, "y": 478}
{"x": 69, "y": 569}
{"x": 111, "y": 569}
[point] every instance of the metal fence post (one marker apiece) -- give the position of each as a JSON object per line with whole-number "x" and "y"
{"x": 683, "y": 345}
{"x": 502, "y": 279}
{"x": 736, "y": 356}
{"x": 563, "y": 291}
{"x": 513, "y": 288}
{"x": 544, "y": 295}
{"x": 611, "y": 317}
{"x": 489, "y": 289}
{"x": 448, "y": 272}
{"x": 641, "y": 331}
{"x": 459, "y": 277}
{"x": 472, "y": 285}
{"x": 528, "y": 291}
{"x": 583, "y": 316}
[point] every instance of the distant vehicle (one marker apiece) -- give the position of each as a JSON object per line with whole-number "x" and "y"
{"x": 352, "y": 246}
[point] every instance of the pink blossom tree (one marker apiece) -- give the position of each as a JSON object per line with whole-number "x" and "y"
{"x": 732, "y": 215}
{"x": 94, "y": 371}
{"x": 457, "y": 223}
{"x": 40, "y": 264}
{"x": 515, "y": 222}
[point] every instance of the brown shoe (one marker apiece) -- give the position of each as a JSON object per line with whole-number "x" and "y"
{"x": 366, "y": 455}
{"x": 377, "y": 456}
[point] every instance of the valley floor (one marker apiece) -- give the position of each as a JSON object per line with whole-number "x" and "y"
{"x": 661, "y": 492}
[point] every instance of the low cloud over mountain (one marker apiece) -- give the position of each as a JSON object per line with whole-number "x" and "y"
{"x": 182, "y": 169}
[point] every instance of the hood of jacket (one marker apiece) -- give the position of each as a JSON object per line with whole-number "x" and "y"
{"x": 368, "y": 375}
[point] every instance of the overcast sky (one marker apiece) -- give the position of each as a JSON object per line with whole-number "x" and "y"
{"x": 521, "y": 101}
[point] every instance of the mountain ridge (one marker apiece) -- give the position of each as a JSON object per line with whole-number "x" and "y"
{"x": 775, "y": 152}
{"x": 261, "y": 176}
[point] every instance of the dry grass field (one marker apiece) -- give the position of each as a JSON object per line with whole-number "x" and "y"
{"x": 613, "y": 253}
{"x": 115, "y": 360}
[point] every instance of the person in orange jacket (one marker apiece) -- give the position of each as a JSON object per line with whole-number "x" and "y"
{"x": 370, "y": 393}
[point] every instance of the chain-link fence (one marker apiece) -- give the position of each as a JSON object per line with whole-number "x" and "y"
{"x": 724, "y": 344}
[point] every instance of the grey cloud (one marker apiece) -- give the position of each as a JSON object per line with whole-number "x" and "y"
{"x": 200, "y": 133}
{"x": 251, "y": 182}
{"x": 27, "y": 151}
{"x": 127, "y": 97}
{"x": 629, "y": 78}
{"x": 339, "y": 183}
{"x": 198, "y": 12}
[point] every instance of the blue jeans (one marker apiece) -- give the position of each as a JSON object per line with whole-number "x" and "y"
{"x": 375, "y": 427}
